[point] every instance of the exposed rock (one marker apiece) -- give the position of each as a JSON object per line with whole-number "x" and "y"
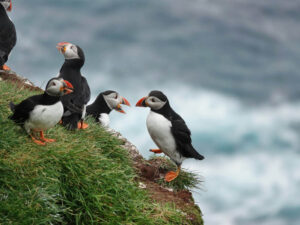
{"x": 20, "y": 81}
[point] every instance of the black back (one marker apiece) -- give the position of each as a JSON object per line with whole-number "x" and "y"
{"x": 81, "y": 94}
{"x": 179, "y": 129}
{"x": 99, "y": 106}
{"x": 21, "y": 111}
{"x": 8, "y": 36}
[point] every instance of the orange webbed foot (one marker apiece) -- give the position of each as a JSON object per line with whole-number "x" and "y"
{"x": 37, "y": 141}
{"x": 172, "y": 175}
{"x": 6, "y": 68}
{"x": 48, "y": 140}
{"x": 156, "y": 151}
{"x": 82, "y": 125}
{"x": 45, "y": 139}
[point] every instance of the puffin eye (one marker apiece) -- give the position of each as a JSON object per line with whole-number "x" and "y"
{"x": 153, "y": 100}
{"x": 53, "y": 84}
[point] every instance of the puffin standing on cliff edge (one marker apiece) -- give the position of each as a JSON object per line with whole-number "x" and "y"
{"x": 169, "y": 131}
{"x": 8, "y": 35}
{"x": 75, "y": 103}
{"x": 41, "y": 112}
{"x": 105, "y": 102}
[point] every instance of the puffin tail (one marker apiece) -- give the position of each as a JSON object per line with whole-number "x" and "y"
{"x": 194, "y": 153}
{"x": 12, "y": 106}
{"x": 200, "y": 157}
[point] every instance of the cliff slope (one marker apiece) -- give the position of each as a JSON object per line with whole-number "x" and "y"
{"x": 93, "y": 176}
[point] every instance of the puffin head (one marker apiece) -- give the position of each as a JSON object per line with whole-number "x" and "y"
{"x": 156, "y": 100}
{"x": 70, "y": 51}
{"x": 114, "y": 100}
{"x": 6, "y": 4}
{"x": 58, "y": 87}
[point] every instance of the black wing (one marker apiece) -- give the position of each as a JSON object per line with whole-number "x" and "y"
{"x": 182, "y": 135}
{"x": 74, "y": 102}
{"x": 22, "y": 110}
{"x": 8, "y": 37}
{"x": 85, "y": 91}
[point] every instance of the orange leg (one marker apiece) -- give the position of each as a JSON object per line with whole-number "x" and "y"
{"x": 156, "y": 151}
{"x": 172, "y": 175}
{"x": 45, "y": 139}
{"x": 6, "y": 68}
{"x": 82, "y": 125}
{"x": 36, "y": 141}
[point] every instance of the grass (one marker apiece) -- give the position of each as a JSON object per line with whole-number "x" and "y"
{"x": 185, "y": 180}
{"x": 83, "y": 178}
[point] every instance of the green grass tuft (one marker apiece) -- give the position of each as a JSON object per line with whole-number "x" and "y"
{"x": 83, "y": 178}
{"x": 185, "y": 179}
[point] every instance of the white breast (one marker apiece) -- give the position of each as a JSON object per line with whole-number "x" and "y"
{"x": 43, "y": 117}
{"x": 104, "y": 119}
{"x": 159, "y": 129}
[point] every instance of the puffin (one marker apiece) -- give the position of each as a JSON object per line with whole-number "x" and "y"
{"x": 41, "y": 112}
{"x": 105, "y": 102}
{"x": 75, "y": 103}
{"x": 168, "y": 131}
{"x": 8, "y": 35}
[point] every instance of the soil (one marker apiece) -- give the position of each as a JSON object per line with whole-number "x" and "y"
{"x": 18, "y": 80}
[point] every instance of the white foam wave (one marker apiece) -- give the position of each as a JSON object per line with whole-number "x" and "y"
{"x": 248, "y": 188}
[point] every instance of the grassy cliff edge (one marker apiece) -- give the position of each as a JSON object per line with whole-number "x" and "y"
{"x": 85, "y": 177}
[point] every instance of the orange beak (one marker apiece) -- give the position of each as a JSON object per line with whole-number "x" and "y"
{"x": 142, "y": 102}
{"x": 67, "y": 88}
{"x": 119, "y": 109}
{"x": 10, "y": 7}
{"x": 125, "y": 101}
{"x": 61, "y": 46}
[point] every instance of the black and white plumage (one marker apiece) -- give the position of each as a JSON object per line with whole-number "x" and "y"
{"x": 75, "y": 103}
{"x": 168, "y": 130}
{"x": 8, "y": 35}
{"x": 41, "y": 112}
{"x": 106, "y": 102}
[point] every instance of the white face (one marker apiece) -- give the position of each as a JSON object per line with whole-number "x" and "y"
{"x": 55, "y": 87}
{"x": 113, "y": 100}
{"x": 70, "y": 51}
{"x": 6, "y": 4}
{"x": 154, "y": 102}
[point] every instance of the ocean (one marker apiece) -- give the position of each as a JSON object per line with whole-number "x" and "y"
{"x": 230, "y": 68}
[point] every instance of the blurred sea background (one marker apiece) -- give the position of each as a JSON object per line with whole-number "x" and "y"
{"x": 230, "y": 68}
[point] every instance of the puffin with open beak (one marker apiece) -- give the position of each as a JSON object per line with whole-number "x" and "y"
{"x": 169, "y": 131}
{"x": 41, "y": 112}
{"x": 8, "y": 35}
{"x": 106, "y": 102}
{"x": 75, "y": 103}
